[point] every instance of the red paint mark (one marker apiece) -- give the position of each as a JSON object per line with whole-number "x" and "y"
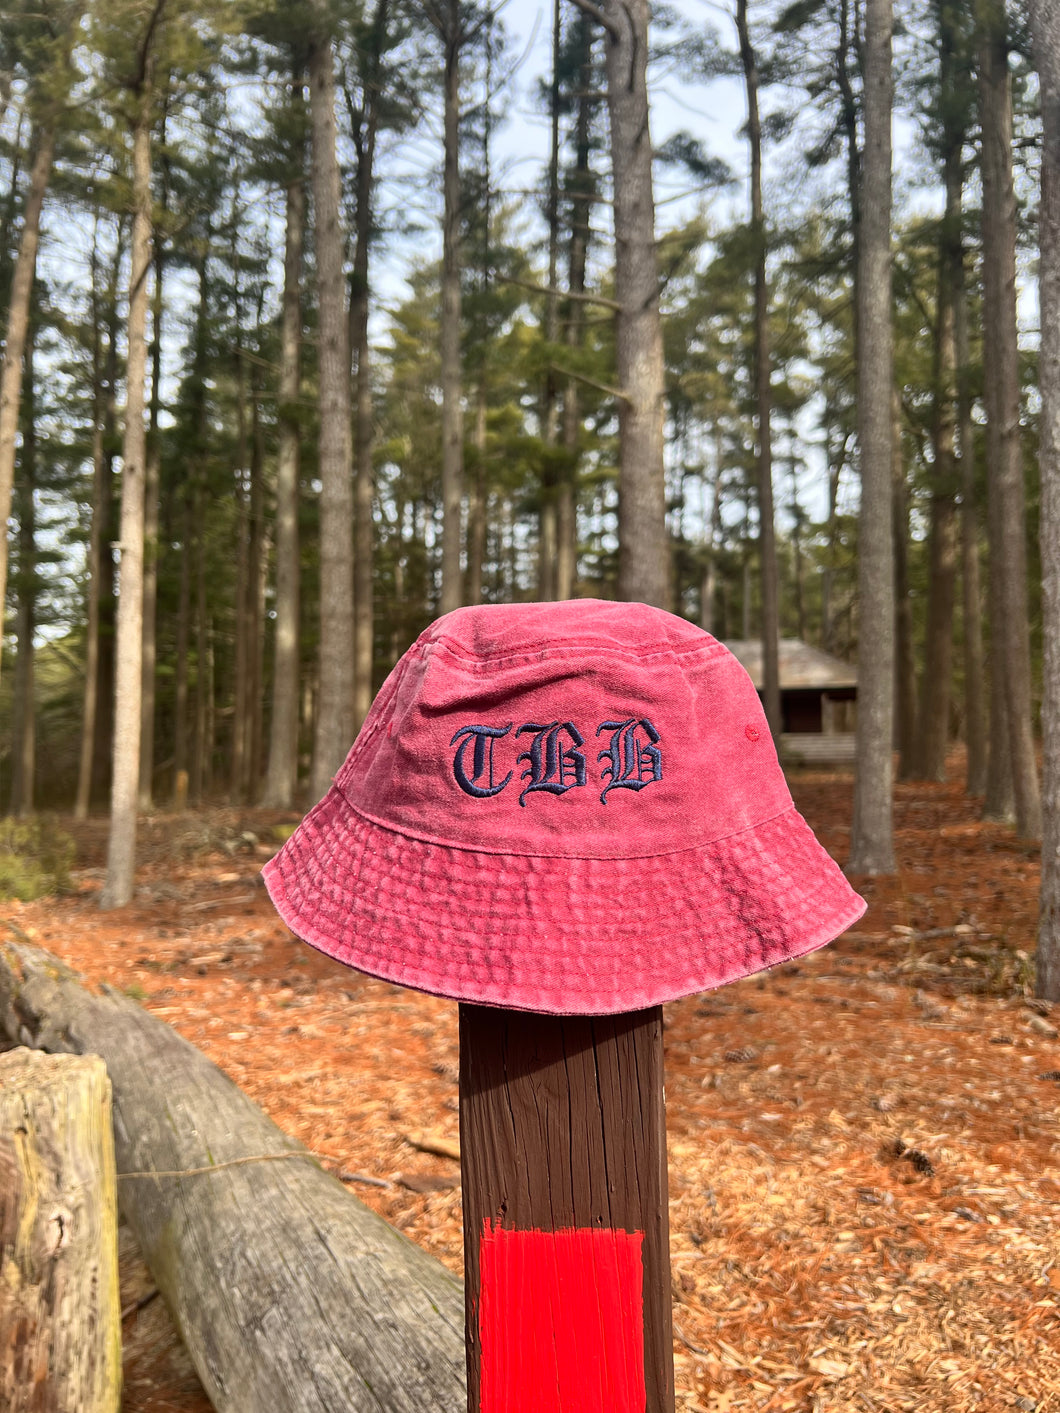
{"x": 751, "y": 732}
{"x": 561, "y": 1321}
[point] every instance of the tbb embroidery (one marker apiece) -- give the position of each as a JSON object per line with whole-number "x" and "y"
{"x": 481, "y": 759}
{"x": 555, "y": 762}
{"x": 551, "y": 768}
{"x": 628, "y": 757}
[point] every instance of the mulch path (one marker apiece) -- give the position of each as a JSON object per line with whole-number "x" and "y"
{"x": 864, "y": 1145}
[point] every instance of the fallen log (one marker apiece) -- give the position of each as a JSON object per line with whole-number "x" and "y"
{"x": 290, "y": 1294}
{"x": 60, "y": 1316}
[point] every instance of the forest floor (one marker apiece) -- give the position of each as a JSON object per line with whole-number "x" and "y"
{"x": 864, "y": 1145}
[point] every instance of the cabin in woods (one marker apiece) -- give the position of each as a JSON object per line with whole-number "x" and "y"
{"x": 817, "y": 697}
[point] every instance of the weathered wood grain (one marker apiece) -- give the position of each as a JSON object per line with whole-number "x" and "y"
{"x": 60, "y": 1316}
{"x": 290, "y": 1295}
{"x": 562, "y": 1127}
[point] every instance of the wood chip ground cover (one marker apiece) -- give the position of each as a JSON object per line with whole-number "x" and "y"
{"x": 864, "y": 1145}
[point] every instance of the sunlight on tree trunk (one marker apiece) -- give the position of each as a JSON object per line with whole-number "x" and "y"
{"x": 643, "y": 554}
{"x": 872, "y": 835}
{"x": 334, "y": 709}
{"x": 121, "y": 841}
{"x": 767, "y": 551}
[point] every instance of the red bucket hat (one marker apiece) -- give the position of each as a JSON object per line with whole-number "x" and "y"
{"x": 571, "y": 807}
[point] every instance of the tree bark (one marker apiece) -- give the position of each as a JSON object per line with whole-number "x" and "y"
{"x": 767, "y": 552}
{"x": 872, "y": 834}
{"x": 477, "y": 501}
{"x": 582, "y": 196}
{"x": 1010, "y": 634}
{"x": 364, "y": 431}
{"x": 334, "y": 711}
{"x": 256, "y": 581}
{"x": 934, "y": 710}
{"x": 1045, "y": 26}
{"x": 282, "y": 775}
{"x": 152, "y": 481}
{"x": 451, "y": 32}
{"x": 60, "y": 1313}
{"x": 121, "y": 841}
{"x": 904, "y": 649}
{"x": 180, "y": 671}
{"x": 43, "y": 142}
{"x": 99, "y": 643}
{"x": 643, "y": 555}
{"x": 23, "y": 713}
{"x": 971, "y": 595}
{"x": 95, "y": 553}
{"x": 237, "y": 756}
{"x": 548, "y": 514}
{"x": 290, "y": 1295}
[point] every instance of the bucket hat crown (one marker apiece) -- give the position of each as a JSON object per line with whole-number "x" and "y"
{"x": 571, "y": 808}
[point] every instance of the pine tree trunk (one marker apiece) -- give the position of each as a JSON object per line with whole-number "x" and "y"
{"x": 872, "y": 835}
{"x": 767, "y": 552}
{"x": 548, "y": 515}
{"x": 103, "y": 741}
{"x": 904, "y": 654}
{"x": 934, "y": 712}
{"x": 452, "y": 35}
{"x": 100, "y": 477}
{"x": 256, "y": 584}
{"x": 180, "y": 673}
{"x": 1002, "y": 397}
{"x": 121, "y": 842}
{"x": 364, "y": 483}
{"x": 1046, "y": 36}
{"x": 243, "y": 592}
{"x": 152, "y": 480}
{"x": 43, "y": 144}
{"x": 971, "y": 596}
{"x": 643, "y": 555}
{"x": 23, "y": 714}
{"x": 334, "y": 708}
{"x": 203, "y": 745}
{"x": 364, "y": 479}
{"x": 583, "y": 193}
{"x": 476, "y": 519}
{"x": 282, "y": 777}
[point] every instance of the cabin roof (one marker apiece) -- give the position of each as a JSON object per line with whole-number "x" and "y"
{"x": 801, "y": 666}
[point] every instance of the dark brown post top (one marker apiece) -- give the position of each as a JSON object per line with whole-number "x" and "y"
{"x": 566, "y": 1234}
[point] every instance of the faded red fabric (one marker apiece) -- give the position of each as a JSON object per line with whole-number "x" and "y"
{"x": 573, "y": 808}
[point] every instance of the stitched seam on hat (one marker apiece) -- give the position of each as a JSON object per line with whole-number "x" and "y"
{"x": 382, "y": 712}
{"x": 531, "y": 854}
{"x": 487, "y": 662}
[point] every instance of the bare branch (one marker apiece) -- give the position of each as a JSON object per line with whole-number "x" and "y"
{"x": 589, "y": 382}
{"x": 559, "y": 293}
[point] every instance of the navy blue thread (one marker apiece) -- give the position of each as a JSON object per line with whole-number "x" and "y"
{"x": 481, "y": 735}
{"x": 546, "y": 759}
{"x": 627, "y": 759}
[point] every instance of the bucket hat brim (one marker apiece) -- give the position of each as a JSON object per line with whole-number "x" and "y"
{"x": 561, "y": 935}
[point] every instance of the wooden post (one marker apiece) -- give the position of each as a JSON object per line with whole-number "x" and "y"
{"x": 60, "y": 1316}
{"x": 566, "y": 1232}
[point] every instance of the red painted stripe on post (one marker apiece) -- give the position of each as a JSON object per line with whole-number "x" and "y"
{"x": 561, "y": 1321}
